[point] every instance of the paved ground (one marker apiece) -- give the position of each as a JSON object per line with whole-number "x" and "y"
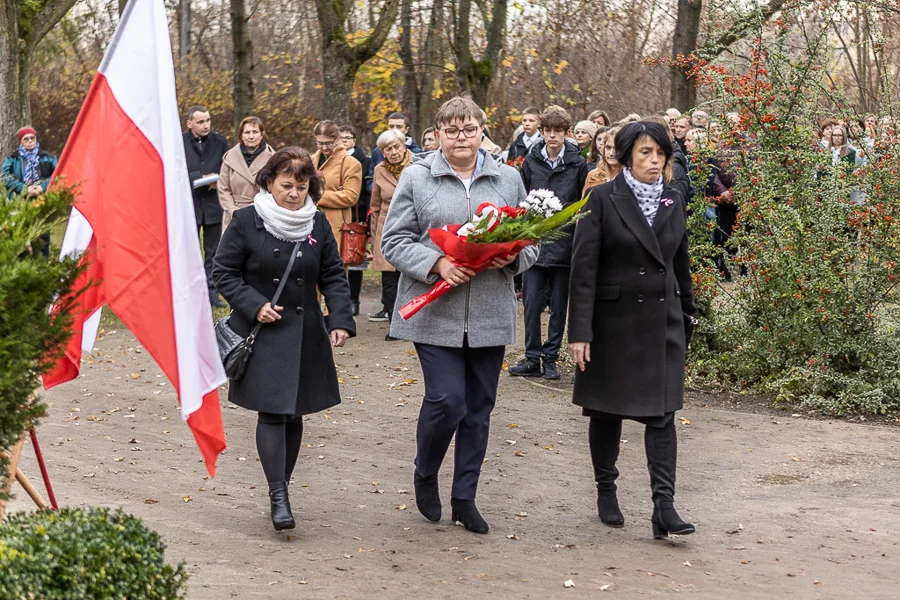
{"x": 784, "y": 506}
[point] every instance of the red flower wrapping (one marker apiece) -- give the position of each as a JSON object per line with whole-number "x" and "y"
{"x": 462, "y": 253}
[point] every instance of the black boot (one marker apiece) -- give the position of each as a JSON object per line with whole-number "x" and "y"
{"x": 604, "y": 436}
{"x": 428, "y": 498}
{"x": 282, "y": 518}
{"x": 465, "y": 512}
{"x": 661, "y": 444}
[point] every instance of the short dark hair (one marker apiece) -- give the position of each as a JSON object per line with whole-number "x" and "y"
{"x": 195, "y": 109}
{"x": 293, "y": 161}
{"x": 532, "y": 110}
{"x": 347, "y": 129}
{"x": 399, "y": 115}
{"x": 555, "y": 118}
{"x": 632, "y": 133}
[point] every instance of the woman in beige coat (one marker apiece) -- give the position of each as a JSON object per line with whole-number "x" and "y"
{"x": 397, "y": 157}
{"x": 237, "y": 179}
{"x": 342, "y": 174}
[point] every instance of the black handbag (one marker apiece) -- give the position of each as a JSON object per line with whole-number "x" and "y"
{"x": 234, "y": 350}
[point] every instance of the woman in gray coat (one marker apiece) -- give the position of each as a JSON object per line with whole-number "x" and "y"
{"x": 461, "y": 338}
{"x": 630, "y": 313}
{"x": 291, "y": 372}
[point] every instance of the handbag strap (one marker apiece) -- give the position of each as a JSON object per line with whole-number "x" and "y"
{"x": 252, "y": 337}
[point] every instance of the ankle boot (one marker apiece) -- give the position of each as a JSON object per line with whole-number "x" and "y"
{"x": 666, "y": 522}
{"x": 282, "y": 518}
{"x": 604, "y": 436}
{"x": 428, "y": 498}
{"x": 465, "y": 512}
{"x": 661, "y": 444}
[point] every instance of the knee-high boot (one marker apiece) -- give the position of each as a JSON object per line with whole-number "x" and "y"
{"x": 604, "y": 436}
{"x": 661, "y": 444}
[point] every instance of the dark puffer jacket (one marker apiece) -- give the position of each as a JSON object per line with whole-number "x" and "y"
{"x": 566, "y": 181}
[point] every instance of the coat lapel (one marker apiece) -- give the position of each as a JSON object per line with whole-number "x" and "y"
{"x": 665, "y": 210}
{"x": 627, "y": 207}
{"x": 235, "y": 160}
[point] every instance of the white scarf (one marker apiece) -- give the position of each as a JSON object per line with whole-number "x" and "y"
{"x": 648, "y": 194}
{"x": 286, "y": 225}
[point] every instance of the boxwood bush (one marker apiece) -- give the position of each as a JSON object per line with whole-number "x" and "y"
{"x": 85, "y": 553}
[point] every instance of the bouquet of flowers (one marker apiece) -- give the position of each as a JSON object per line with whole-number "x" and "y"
{"x": 496, "y": 232}
{"x": 517, "y": 162}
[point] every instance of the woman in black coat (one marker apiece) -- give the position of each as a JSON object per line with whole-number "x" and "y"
{"x": 291, "y": 372}
{"x": 631, "y": 305}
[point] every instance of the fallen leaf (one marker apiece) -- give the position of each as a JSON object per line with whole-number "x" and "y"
{"x": 187, "y": 498}
{"x": 518, "y": 453}
{"x": 512, "y": 536}
{"x": 548, "y": 447}
{"x": 796, "y": 459}
{"x": 480, "y": 575}
{"x": 467, "y": 558}
{"x": 512, "y": 425}
{"x": 401, "y": 507}
{"x": 303, "y": 582}
{"x": 605, "y": 587}
{"x": 348, "y": 556}
{"x": 569, "y": 583}
{"x": 686, "y": 563}
{"x": 150, "y": 501}
{"x": 685, "y": 421}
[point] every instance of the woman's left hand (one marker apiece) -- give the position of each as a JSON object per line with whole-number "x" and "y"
{"x": 499, "y": 263}
{"x": 338, "y": 337}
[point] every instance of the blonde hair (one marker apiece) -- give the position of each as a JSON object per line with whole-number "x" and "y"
{"x": 390, "y": 136}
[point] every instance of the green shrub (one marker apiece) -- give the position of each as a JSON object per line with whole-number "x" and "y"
{"x": 812, "y": 315}
{"x": 79, "y": 554}
{"x": 29, "y": 284}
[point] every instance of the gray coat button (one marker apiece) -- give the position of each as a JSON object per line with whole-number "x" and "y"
{"x": 640, "y": 297}
{"x": 299, "y": 310}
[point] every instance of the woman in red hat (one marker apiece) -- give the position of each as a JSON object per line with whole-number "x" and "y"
{"x": 28, "y": 169}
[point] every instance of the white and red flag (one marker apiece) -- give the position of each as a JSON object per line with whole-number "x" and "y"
{"x": 133, "y": 223}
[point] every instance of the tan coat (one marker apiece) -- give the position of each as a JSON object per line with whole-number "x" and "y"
{"x": 237, "y": 182}
{"x": 595, "y": 177}
{"x": 343, "y": 182}
{"x": 383, "y": 186}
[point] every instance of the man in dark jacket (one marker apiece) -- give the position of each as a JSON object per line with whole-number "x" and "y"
{"x": 204, "y": 150}
{"x": 530, "y": 135}
{"x": 556, "y": 165}
{"x": 398, "y": 121}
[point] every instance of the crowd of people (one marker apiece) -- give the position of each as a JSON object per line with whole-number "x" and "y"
{"x": 281, "y": 233}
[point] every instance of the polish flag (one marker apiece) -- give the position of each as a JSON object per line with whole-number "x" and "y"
{"x": 134, "y": 223}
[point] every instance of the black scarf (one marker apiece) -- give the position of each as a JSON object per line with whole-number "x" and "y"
{"x": 249, "y": 157}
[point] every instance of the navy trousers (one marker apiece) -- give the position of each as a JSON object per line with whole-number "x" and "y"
{"x": 535, "y": 280}
{"x": 460, "y": 392}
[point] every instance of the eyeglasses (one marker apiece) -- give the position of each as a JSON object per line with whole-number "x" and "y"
{"x": 453, "y": 132}
{"x": 347, "y": 138}
{"x": 324, "y": 144}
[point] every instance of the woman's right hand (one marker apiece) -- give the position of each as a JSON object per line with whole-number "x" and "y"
{"x": 268, "y": 314}
{"x": 450, "y": 273}
{"x": 580, "y": 353}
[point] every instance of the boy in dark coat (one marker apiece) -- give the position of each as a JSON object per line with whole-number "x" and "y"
{"x": 556, "y": 165}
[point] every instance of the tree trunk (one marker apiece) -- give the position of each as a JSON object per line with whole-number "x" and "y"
{"x": 410, "y": 72}
{"x": 244, "y": 92}
{"x": 19, "y": 35}
{"x": 184, "y": 29}
{"x": 474, "y": 76}
{"x": 339, "y": 73}
{"x": 683, "y": 92}
{"x": 341, "y": 60}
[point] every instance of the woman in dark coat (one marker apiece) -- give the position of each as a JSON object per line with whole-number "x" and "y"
{"x": 291, "y": 372}
{"x": 630, "y": 312}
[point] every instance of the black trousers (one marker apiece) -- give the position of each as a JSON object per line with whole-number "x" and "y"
{"x": 355, "y": 278}
{"x": 212, "y": 232}
{"x": 389, "y": 282}
{"x": 660, "y": 444}
{"x": 534, "y": 281}
{"x": 460, "y": 392}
